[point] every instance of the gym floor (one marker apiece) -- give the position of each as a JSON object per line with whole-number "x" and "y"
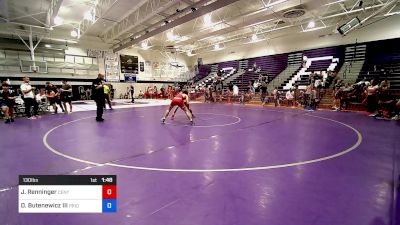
{"x": 238, "y": 165}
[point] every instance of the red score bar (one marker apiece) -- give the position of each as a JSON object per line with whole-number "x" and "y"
{"x": 109, "y": 191}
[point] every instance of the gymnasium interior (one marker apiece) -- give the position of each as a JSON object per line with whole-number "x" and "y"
{"x": 287, "y": 112}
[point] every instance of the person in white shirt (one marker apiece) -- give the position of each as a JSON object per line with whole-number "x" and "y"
{"x": 372, "y": 97}
{"x": 29, "y": 99}
{"x": 290, "y": 97}
{"x": 276, "y": 93}
{"x": 235, "y": 90}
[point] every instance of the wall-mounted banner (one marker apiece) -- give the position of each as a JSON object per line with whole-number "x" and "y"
{"x": 130, "y": 77}
{"x": 141, "y": 66}
{"x": 111, "y": 66}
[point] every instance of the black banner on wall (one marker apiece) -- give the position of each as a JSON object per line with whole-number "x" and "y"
{"x": 141, "y": 66}
{"x": 129, "y": 64}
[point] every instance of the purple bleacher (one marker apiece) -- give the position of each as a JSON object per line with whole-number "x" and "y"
{"x": 336, "y": 52}
{"x": 320, "y": 65}
{"x": 271, "y": 65}
{"x": 380, "y": 52}
{"x": 204, "y": 70}
{"x": 383, "y": 62}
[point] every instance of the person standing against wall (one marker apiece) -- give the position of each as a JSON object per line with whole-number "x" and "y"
{"x": 132, "y": 90}
{"x": 98, "y": 96}
{"x": 107, "y": 93}
{"x": 66, "y": 95}
{"x": 29, "y": 99}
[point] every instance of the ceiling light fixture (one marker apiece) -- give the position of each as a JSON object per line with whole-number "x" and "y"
{"x": 170, "y": 35}
{"x": 189, "y": 53}
{"x": 207, "y": 20}
{"x": 311, "y": 24}
{"x": 58, "y": 20}
{"x": 88, "y": 16}
{"x": 74, "y": 33}
{"x": 47, "y": 46}
{"x": 254, "y": 37}
{"x": 217, "y": 47}
{"x": 145, "y": 45}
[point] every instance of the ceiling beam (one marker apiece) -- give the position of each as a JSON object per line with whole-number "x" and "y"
{"x": 3, "y": 10}
{"x": 101, "y": 8}
{"x": 189, "y": 2}
{"x": 52, "y": 12}
{"x": 379, "y": 8}
{"x": 142, "y": 14}
{"x": 245, "y": 20}
{"x": 129, "y": 12}
{"x": 186, "y": 18}
{"x": 172, "y": 17}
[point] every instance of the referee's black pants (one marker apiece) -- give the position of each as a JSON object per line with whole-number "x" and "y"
{"x": 29, "y": 103}
{"x": 100, "y": 103}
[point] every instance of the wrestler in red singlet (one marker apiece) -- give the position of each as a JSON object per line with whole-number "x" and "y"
{"x": 186, "y": 102}
{"x": 179, "y": 100}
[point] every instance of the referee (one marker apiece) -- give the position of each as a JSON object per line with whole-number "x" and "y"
{"x": 99, "y": 96}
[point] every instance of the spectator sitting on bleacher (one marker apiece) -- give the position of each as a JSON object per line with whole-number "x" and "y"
{"x": 219, "y": 73}
{"x": 385, "y": 85}
{"x": 256, "y": 84}
{"x": 254, "y": 68}
{"x": 385, "y": 102}
{"x": 7, "y": 102}
{"x": 311, "y": 78}
{"x": 250, "y": 88}
{"x": 359, "y": 86}
{"x": 249, "y": 93}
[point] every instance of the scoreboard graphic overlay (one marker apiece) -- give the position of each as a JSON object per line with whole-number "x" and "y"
{"x": 67, "y": 194}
